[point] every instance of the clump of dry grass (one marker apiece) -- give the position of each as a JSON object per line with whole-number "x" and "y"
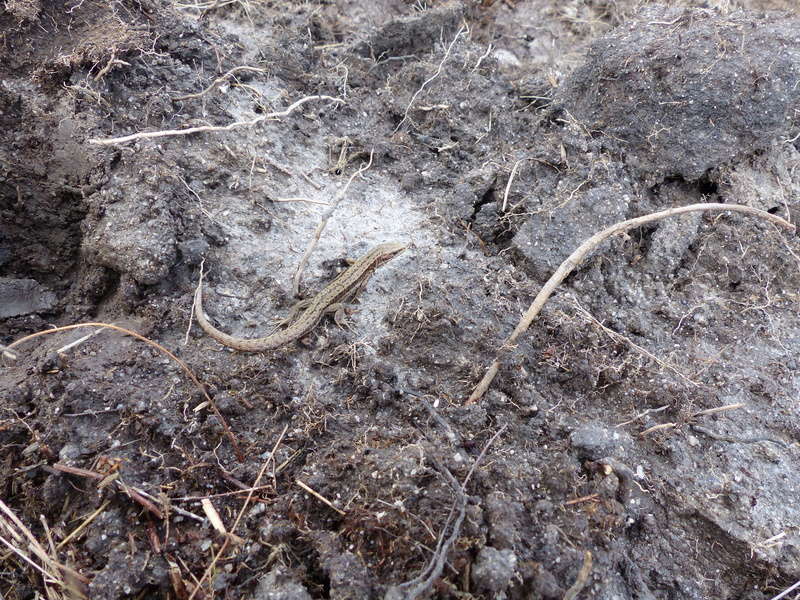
{"x": 24, "y": 551}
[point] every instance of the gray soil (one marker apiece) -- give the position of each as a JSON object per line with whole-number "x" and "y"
{"x": 640, "y": 442}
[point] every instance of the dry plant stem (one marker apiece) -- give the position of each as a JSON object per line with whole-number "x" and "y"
{"x": 311, "y": 182}
{"x": 213, "y": 516}
{"x": 51, "y": 545}
{"x": 434, "y": 568}
{"x": 575, "y": 259}
{"x": 23, "y": 556}
{"x": 161, "y": 349}
{"x": 111, "y": 63}
{"x": 323, "y": 222}
{"x": 582, "y": 579}
{"x": 218, "y": 81}
{"x": 77, "y": 471}
{"x": 716, "y": 409}
{"x": 300, "y": 199}
{"x": 792, "y": 140}
{"x": 147, "y": 135}
{"x": 775, "y": 540}
{"x": 134, "y": 495}
{"x": 26, "y": 543}
{"x": 483, "y": 57}
{"x": 582, "y": 499}
{"x": 319, "y": 497}
{"x": 220, "y": 495}
{"x": 644, "y": 414}
{"x": 191, "y": 310}
{"x": 176, "y": 509}
{"x": 508, "y": 185}
{"x": 482, "y": 454}
{"x": 225, "y": 543}
{"x": 86, "y": 522}
{"x": 77, "y": 342}
{"x": 659, "y": 427}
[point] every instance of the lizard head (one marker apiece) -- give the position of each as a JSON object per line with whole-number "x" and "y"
{"x": 386, "y": 252}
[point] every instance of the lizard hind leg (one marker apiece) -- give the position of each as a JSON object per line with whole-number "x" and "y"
{"x": 339, "y": 311}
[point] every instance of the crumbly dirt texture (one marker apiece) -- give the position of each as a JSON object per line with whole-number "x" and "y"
{"x": 640, "y": 442}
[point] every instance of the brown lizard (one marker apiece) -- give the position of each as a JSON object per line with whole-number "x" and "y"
{"x": 331, "y": 299}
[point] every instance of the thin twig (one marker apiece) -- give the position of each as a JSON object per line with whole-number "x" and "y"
{"x": 430, "y": 79}
{"x": 659, "y": 427}
{"x": 221, "y": 79}
{"x": 192, "y": 308}
{"x": 127, "y": 489}
{"x": 323, "y": 222}
{"x": 508, "y": 185}
{"x": 482, "y": 454}
{"x": 792, "y": 140}
{"x": 575, "y": 259}
{"x": 213, "y": 516}
{"x": 489, "y": 49}
{"x": 771, "y": 542}
{"x": 319, "y": 496}
{"x": 78, "y": 342}
{"x": 220, "y": 495}
{"x": 587, "y": 498}
{"x": 311, "y": 182}
{"x": 301, "y": 199}
{"x": 643, "y": 414}
{"x": 111, "y": 63}
{"x": 716, "y": 409}
{"x": 86, "y": 522}
{"x": 134, "y": 495}
{"x": 582, "y": 579}
{"x": 25, "y": 557}
{"x": 176, "y": 509}
{"x": 147, "y": 135}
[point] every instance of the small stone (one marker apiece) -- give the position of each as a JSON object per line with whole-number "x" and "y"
{"x": 23, "y": 297}
{"x": 493, "y": 571}
{"x": 506, "y": 60}
{"x": 280, "y": 584}
{"x": 598, "y": 441}
{"x": 192, "y": 251}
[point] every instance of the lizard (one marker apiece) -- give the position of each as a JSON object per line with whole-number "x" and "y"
{"x": 343, "y": 288}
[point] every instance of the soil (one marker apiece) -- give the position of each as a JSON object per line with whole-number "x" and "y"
{"x": 640, "y": 442}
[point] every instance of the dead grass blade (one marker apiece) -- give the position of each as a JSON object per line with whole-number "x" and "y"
{"x": 59, "y": 581}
